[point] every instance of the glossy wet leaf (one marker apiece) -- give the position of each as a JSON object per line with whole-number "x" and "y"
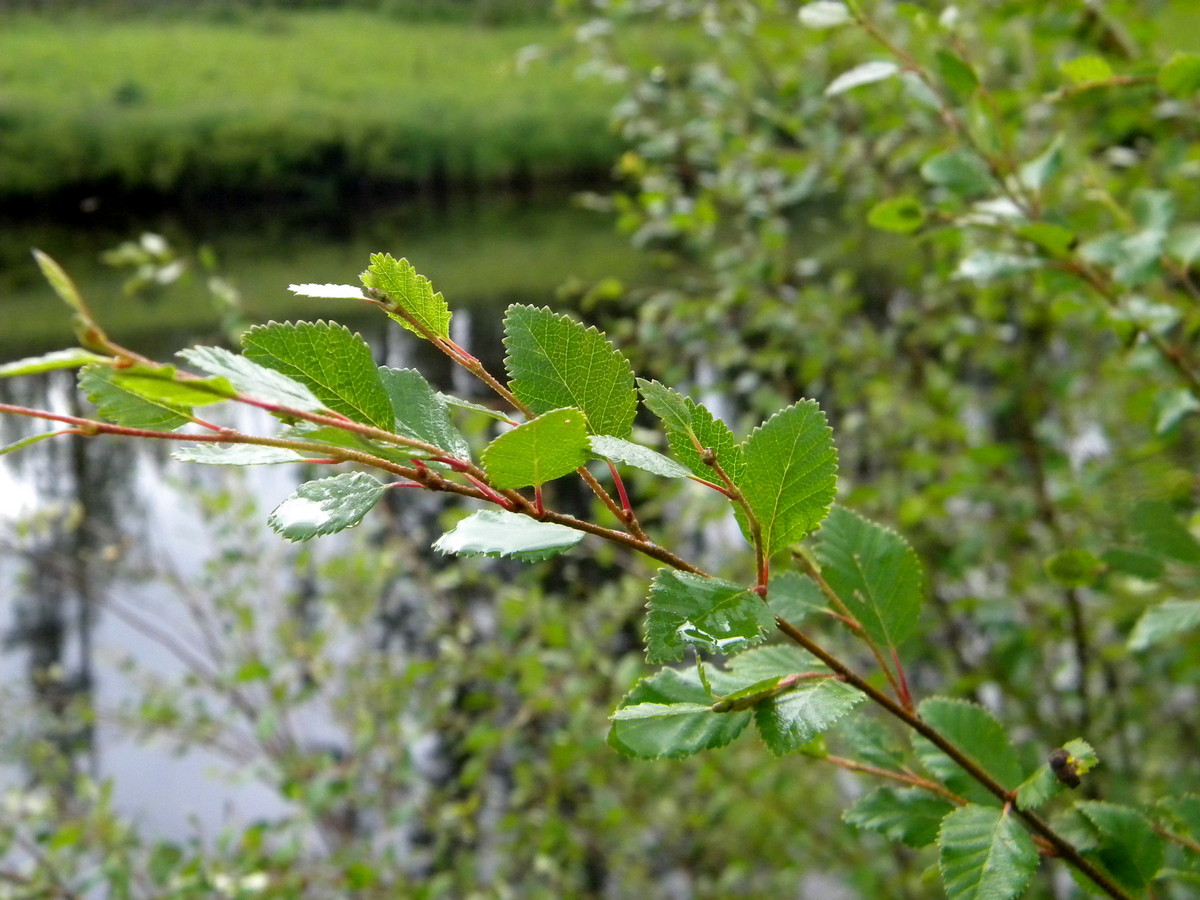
{"x": 790, "y": 475}
{"x": 631, "y": 454}
{"x": 331, "y": 361}
{"x": 236, "y": 455}
{"x": 985, "y": 854}
{"x": 420, "y": 413}
{"x": 710, "y": 614}
{"x": 875, "y": 572}
{"x": 862, "y": 74}
{"x": 554, "y": 362}
{"x": 824, "y": 14}
{"x": 398, "y": 279}
{"x": 326, "y": 506}
{"x": 545, "y": 448}
{"x": 496, "y": 532}
{"x": 655, "y": 732}
{"x": 252, "y": 379}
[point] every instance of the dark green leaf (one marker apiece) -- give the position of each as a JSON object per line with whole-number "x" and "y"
{"x": 790, "y": 475}
{"x": 791, "y": 719}
{"x": 908, "y": 815}
{"x": 409, "y": 291}
{"x": 1133, "y": 562}
{"x": 333, "y": 363}
{"x": 902, "y": 215}
{"x": 1165, "y": 621}
{"x": 1129, "y": 849}
{"x": 956, "y": 74}
{"x": 875, "y": 573}
{"x": 707, "y": 613}
{"x": 870, "y": 741}
{"x": 695, "y": 729}
{"x": 545, "y": 448}
{"x": 1157, "y": 525}
{"x": 494, "y": 532}
{"x": 974, "y": 731}
{"x": 420, "y": 412}
{"x": 326, "y": 506}
{"x": 689, "y": 425}
{"x": 985, "y": 854}
{"x": 795, "y": 597}
{"x": 554, "y": 362}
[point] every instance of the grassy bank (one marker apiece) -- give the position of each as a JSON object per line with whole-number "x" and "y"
{"x": 313, "y": 103}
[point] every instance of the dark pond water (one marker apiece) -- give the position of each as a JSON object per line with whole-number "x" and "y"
{"x": 102, "y": 542}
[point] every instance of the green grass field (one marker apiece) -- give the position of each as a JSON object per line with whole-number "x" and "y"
{"x": 281, "y": 103}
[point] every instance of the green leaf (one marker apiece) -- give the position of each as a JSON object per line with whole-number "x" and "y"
{"x": 872, "y": 742}
{"x": 420, "y": 412}
{"x": 48, "y": 362}
{"x": 1165, "y": 621}
{"x": 903, "y": 215}
{"x": 1043, "y": 169}
{"x": 824, "y": 14}
{"x": 691, "y": 730}
{"x": 1133, "y": 562}
{"x": 957, "y": 75}
{"x": 1045, "y": 783}
{"x": 333, "y": 363}
{"x": 236, "y": 455}
{"x": 1074, "y": 568}
{"x": 1180, "y": 75}
{"x": 864, "y": 73}
{"x": 326, "y": 506}
{"x": 619, "y": 450}
{"x": 488, "y": 411}
{"x": 790, "y": 474}
{"x": 689, "y": 424}
{"x": 961, "y": 172}
{"x": 1129, "y": 849}
{"x": 554, "y": 361}
{"x": 795, "y": 597}
{"x": 875, "y": 572}
{"x": 162, "y": 384}
{"x": 1088, "y": 69}
{"x": 791, "y": 719}
{"x": 985, "y": 854}
{"x": 974, "y": 731}
{"x": 545, "y": 448}
{"x": 908, "y": 815}
{"x": 252, "y": 379}
{"x": 60, "y": 281}
{"x": 1185, "y": 812}
{"x": 1055, "y": 240}
{"x": 1184, "y": 243}
{"x": 117, "y": 403}
{"x": 25, "y": 442}
{"x": 399, "y": 281}
{"x": 1163, "y": 533}
{"x": 983, "y": 266}
{"x": 496, "y": 532}
{"x": 707, "y": 613}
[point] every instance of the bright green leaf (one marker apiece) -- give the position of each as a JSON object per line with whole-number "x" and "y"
{"x": 902, "y": 215}
{"x": 326, "y": 506}
{"x": 333, "y": 363}
{"x": 119, "y": 404}
{"x": 865, "y": 73}
{"x": 420, "y": 412}
{"x": 545, "y": 448}
{"x": 554, "y": 362}
{"x": 977, "y": 733}
{"x": 49, "y": 362}
{"x": 399, "y": 281}
{"x": 1074, "y": 568}
{"x": 709, "y": 614}
{"x": 1180, "y": 75}
{"x": 875, "y": 573}
{"x": 763, "y": 663}
{"x": 25, "y": 442}
{"x": 985, "y": 854}
{"x": 689, "y": 425}
{"x": 790, "y": 474}
{"x": 961, "y": 172}
{"x": 162, "y": 384}
{"x": 1055, "y": 240}
{"x": 696, "y": 729}
{"x": 619, "y": 450}
{"x": 1087, "y": 69}
{"x": 252, "y": 379}
{"x": 908, "y": 815}
{"x": 236, "y": 455}
{"x": 495, "y": 532}
{"x": 1165, "y": 621}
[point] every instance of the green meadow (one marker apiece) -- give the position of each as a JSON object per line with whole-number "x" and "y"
{"x": 306, "y": 103}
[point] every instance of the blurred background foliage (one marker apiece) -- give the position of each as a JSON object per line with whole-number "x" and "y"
{"x": 1015, "y": 399}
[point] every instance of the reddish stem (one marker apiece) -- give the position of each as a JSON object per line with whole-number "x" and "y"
{"x": 488, "y": 492}
{"x": 624, "y": 497}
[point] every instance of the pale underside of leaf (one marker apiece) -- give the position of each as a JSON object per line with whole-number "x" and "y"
{"x": 252, "y": 379}
{"x": 499, "y": 533}
{"x": 326, "y": 506}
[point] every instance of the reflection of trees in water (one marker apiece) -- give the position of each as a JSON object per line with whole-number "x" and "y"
{"x": 58, "y": 581}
